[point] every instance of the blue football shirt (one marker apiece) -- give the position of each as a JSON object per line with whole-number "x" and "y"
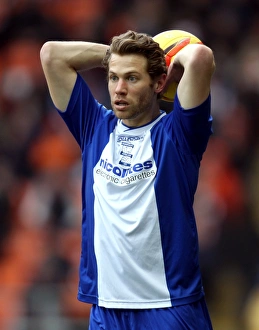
{"x": 139, "y": 236}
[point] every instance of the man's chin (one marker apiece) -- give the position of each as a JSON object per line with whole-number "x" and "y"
{"x": 121, "y": 114}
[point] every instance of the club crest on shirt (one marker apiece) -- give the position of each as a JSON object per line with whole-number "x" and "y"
{"x": 126, "y": 148}
{"x": 126, "y": 153}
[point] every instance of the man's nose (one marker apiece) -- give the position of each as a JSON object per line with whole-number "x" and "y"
{"x": 121, "y": 87}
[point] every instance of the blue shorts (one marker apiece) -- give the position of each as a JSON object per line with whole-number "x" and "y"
{"x": 193, "y": 316}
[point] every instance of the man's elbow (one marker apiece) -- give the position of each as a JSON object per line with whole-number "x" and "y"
{"x": 47, "y": 53}
{"x": 204, "y": 59}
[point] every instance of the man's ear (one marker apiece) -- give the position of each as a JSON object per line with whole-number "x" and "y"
{"x": 160, "y": 83}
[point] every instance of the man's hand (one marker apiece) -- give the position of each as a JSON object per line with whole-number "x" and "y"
{"x": 174, "y": 75}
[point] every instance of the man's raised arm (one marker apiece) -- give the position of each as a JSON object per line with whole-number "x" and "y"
{"x": 62, "y": 60}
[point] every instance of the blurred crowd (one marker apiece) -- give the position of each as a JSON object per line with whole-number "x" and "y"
{"x": 40, "y": 173}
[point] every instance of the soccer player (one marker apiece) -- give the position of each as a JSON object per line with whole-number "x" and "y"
{"x": 139, "y": 262}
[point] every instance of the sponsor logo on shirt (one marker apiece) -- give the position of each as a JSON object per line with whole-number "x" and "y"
{"x": 120, "y": 175}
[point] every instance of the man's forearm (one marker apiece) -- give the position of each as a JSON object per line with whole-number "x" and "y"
{"x": 78, "y": 55}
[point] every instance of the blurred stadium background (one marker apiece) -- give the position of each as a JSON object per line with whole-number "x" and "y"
{"x": 40, "y": 162}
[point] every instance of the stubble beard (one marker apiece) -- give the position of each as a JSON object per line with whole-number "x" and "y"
{"x": 141, "y": 107}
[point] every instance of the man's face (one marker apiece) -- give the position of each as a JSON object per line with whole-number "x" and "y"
{"x": 132, "y": 92}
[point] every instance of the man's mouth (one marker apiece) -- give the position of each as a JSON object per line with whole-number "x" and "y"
{"x": 120, "y": 104}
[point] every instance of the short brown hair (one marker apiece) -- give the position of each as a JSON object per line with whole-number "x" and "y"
{"x": 132, "y": 42}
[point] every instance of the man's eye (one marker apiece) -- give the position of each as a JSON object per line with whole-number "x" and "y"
{"x": 113, "y": 78}
{"x": 132, "y": 78}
